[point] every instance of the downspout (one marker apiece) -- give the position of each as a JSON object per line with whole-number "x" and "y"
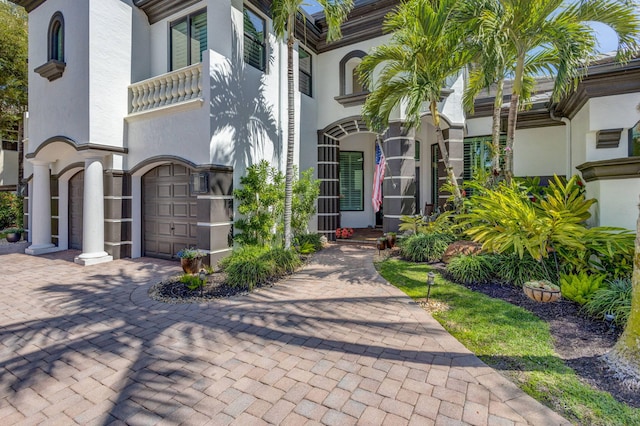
{"x": 567, "y": 126}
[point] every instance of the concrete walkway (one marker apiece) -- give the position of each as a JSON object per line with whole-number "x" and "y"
{"x": 334, "y": 344}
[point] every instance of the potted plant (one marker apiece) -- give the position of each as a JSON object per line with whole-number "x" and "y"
{"x": 381, "y": 243}
{"x": 391, "y": 239}
{"x": 13, "y": 235}
{"x": 541, "y": 291}
{"x": 191, "y": 259}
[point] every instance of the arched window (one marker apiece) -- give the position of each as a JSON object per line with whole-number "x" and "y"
{"x": 351, "y": 90}
{"x": 349, "y": 81}
{"x": 56, "y": 37}
{"x": 634, "y": 140}
{"x": 55, "y": 65}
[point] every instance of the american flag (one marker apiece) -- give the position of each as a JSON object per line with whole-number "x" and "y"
{"x": 378, "y": 177}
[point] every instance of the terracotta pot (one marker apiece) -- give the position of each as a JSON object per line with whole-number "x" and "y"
{"x": 13, "y": 237}
{"x": 391, "y": 240}
{"x": 381, "y": 244}
{"x": 541, "y": 294}
{"x": 191, "y": 266}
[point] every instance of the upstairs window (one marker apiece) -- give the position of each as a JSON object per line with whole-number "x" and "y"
{"x": 304, "y": 74}
{"x": 188, "y": 40}
{"x": 254, "y": 40}
{"x": 56, "y": 38}
{"x": 634, "y": 140}
{"x": 349, "y": 79}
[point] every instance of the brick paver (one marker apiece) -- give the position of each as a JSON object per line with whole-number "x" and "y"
{"x": 334, "y": 344}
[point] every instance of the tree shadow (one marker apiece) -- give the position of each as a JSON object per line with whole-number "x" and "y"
{"x": 240, "y": 112}
{"x": 102, "y": 336}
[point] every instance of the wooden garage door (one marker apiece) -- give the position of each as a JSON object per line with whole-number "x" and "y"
{"x": 169, "y": 211}
{"x": 76, "y": 195}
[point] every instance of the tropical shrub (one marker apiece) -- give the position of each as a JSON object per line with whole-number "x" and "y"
{"x": 249, "y": 266}
{"x": 191, "y": 281}
{"x": 260, "y": 201}
{"x": 512, "y": 269}
{"x": 581, "y": 287}
{"x": 468, "y": 269}
{"x": 261, "y": 204}
{"x": 308, "y": 243}
{"x": 423, "y": 247}
{"x": 10, "y": 210}
{"x": 614, "y": 298}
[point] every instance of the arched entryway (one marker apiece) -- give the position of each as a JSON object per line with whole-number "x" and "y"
{"x": 169, "y": 211}
{"x": 76, "y": 191}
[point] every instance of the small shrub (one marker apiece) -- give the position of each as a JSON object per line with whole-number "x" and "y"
{"x": 310, "y": 243}
{"x": 250, "y": 266}
{"x": 511, "y": 269}
{"x": 10, "y": 210}
{"x": 580, "y": 288}
{"x": 283, "y": 261}
{"x": 614, "y": 298}
{"x": 468, "y": 269}
{"x": 425, "y": 247}
{"x": 191, "y": 281}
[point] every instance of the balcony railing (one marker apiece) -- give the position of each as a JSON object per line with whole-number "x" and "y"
{"x": 168, "y": 89}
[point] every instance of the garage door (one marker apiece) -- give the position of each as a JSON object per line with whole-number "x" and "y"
{"x": 169, "y": 211}
{"x": 76, "y": 195}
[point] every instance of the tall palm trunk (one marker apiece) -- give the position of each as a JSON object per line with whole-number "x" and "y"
{"x": 495, "y": 130}
{"x": 291, "y": 116}
{"x": 435, "y": 115}
{"x": 626, "y": 353}
{"x": 513, "y": 117}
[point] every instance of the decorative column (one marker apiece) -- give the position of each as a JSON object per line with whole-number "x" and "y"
{"x": 40, "y": 214}
{"x": 93, "y": 213}
{"x": 399, "y": 189}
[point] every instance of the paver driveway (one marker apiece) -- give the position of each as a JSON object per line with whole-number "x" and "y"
{"x": 334, "y": 344}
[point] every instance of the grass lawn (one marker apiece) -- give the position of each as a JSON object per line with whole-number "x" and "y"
{"x": 514, "y": 339}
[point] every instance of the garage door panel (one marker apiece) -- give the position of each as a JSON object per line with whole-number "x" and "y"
{"x": 180, "y": 210}
{"x": 181, "y": 230}
{"x": 163, "y": 209}
{"x": 169, "y": 211}
{"x": 181, "y": 190}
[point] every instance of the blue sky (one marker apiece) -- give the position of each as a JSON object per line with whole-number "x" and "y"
{"x": 607, "y": 39}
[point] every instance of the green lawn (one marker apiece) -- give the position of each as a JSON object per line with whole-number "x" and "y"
{"x": 505, "y": 335}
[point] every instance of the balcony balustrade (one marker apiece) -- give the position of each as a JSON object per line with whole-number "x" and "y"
{"x": 165, "y": 90}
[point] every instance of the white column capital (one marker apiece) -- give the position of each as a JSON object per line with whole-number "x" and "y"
{"x": 37, "y": 162}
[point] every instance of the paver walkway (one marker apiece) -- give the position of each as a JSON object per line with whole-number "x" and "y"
{"x": 334, "y": 344}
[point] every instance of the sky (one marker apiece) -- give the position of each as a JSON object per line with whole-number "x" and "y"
{"x": 607, "y": 40}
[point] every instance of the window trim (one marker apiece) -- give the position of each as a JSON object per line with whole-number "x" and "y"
{"x": 263, "y": 59}
{"x": 56, "y": 36}
{"x": 307, "y": 74}
{"x": 186, "y": 18}
{"x": 55, "y": 65}
{"x": 362, "y": 186}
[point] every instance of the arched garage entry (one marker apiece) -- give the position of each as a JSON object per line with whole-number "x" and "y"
{"x": 169, "y": 211}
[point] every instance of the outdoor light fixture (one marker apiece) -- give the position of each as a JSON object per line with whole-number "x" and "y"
{"x": 431, "y": 278}
{"x": 202, "y": 275}
{"x": 609, "y": 318}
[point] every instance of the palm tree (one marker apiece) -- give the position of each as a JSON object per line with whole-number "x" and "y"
{"x": 561, "y": 30}
{"x": 284, "y": 13}
{"x": 426, "y": 47}
{"x": 625, "y": 356}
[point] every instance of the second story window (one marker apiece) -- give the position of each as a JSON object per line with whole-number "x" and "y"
{"x": 56, "y": 38}
{"x": 188, "y": 40}
{"x": 634, "y": 140}
{"x": 254, "y": 40}
{"x": 304, "y": 74}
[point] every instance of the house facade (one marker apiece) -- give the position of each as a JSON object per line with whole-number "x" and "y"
{"x": 144, "y": 114}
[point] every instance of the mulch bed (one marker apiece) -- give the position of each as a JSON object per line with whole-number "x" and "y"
{"x": 578, "y": 339}
{"x": 174, "y": 292}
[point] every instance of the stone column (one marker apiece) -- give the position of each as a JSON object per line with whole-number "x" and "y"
{"x": 93, "y": 213}
{"x": 399, "y": 188}
{"x": 40, "y": 214}
{"x": 329, "y": 177}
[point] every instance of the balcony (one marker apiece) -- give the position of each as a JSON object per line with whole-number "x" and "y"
{"x": 176, "y": 91}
